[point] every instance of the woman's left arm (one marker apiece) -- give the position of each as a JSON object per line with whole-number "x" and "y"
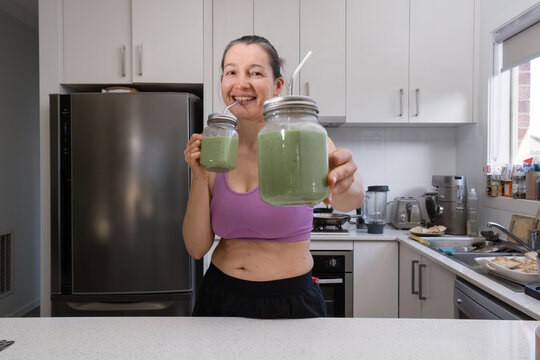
{"x": 346, "y": 188}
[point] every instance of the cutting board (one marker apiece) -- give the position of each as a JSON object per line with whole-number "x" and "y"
{"x": 521, "y": 226}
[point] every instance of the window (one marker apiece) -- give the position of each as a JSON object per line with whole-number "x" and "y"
{"x": 514, "y": 126}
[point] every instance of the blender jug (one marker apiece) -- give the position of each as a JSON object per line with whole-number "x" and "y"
{"x": 375, "y": 208}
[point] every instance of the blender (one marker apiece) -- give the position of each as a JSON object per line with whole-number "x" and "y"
{"x": 374, "y": 208}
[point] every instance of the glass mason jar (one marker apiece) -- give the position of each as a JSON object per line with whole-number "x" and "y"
{"x": 219, "y": 147}
{"x": 293, "y": 153}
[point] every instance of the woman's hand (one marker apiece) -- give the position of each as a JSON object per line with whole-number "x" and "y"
{"x": 341, "y": 173}
{"x": 346, "y": 188}
{"x": 192, "y": 155}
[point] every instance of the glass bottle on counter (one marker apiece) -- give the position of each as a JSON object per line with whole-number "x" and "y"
{"x": 472, "y": 213}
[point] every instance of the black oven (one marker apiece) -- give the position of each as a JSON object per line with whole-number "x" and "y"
{"x": 334, "y": 270}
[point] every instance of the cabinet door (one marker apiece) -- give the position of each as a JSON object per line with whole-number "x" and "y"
{"x": 322, "y": 30}
{"x": 285, "y": 37}
{"x": 409, "y": 304}
{"x": 441, "y": 65}
{"x": 232, "y": 19}
{"x": 167, "y": 41}
{"x": 377, "y": 61}
{"x": 97, "y": 41}
{"x": 375, "y": 279}
{"x": 437, "y": 289}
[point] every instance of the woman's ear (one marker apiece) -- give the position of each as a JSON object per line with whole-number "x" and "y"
{"x": 279, "y": 86}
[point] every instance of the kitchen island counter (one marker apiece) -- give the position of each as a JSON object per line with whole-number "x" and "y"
{"x": 239, "y": 338}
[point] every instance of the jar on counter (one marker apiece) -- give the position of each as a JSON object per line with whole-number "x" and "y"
{"x": 219, "y": 148}
{"x": 292, "y": 153}
{"x": 518, "y": 187}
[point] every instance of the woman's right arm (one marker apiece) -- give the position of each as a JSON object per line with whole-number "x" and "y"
{"x": 197, "y": 227}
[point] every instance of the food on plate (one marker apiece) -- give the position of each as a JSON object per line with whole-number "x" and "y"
{"x": 531, "y": 255}
{"x": 525, "y": 264}
{"x": 437, "y": 229}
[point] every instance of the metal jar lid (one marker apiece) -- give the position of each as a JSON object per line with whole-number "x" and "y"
{"x": 222, "y": 118}
{"x": 291, "y": 102}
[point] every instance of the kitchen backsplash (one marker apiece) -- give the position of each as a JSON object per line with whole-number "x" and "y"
{"x": 402, "y": 158}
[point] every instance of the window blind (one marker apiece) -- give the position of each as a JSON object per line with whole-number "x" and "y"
{"x": 520, "y": 38}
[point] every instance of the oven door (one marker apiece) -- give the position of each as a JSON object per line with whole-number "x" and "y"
{"x": 337, "y": 293}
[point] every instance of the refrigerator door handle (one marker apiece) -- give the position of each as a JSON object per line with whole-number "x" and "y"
{"x": 105, "y": 306}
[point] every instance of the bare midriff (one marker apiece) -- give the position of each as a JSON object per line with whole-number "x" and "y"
{"x": 262, "y": 261}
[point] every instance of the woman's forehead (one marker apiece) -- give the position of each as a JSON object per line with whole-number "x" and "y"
{"x": 242, "y": 54}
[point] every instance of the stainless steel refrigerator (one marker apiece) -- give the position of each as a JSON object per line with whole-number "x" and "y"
{"x": 119, "y": 189}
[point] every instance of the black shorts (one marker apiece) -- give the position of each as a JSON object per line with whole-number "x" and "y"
{"x": 292, "y": 298}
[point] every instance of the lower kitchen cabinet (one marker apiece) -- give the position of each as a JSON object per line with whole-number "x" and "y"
{"x": 375, "y": 279}
{"x": 426, "y": 289}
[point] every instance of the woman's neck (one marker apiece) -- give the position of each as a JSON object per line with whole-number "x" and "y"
{"x": 248, "y": 131}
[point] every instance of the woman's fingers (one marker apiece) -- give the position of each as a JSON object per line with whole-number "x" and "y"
{"x": 342, "y": 170}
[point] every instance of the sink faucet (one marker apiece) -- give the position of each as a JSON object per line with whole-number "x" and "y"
{"x": 533, "y": 238}
{"x": 503, "y": 229}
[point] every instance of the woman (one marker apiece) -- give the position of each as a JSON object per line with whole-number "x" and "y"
{"x": 261, "y": 267}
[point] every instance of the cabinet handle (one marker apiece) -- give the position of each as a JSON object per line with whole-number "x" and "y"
{"x": 307, "y": 88}
{"x": 123, "y": 60}
{"x": 400, "y": 102}
{"x": 420, "y": 292}
{"x": 413, "y": 263}
{"x": 417, "y": 102}
{"x": 140, "y": 60}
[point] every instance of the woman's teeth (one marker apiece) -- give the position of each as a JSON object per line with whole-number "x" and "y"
{"x": 243, "y": 98}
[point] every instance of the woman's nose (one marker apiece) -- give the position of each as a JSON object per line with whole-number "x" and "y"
{"x": 243, "y": 82}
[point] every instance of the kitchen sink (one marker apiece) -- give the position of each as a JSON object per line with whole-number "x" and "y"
{"x": 464, "y": 255}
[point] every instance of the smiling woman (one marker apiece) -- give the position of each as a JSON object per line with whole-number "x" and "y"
{"x": 262, "y": 265}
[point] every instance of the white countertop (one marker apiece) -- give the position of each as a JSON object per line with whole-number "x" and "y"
{"x": 239, "y": 338}
{"x": 518, "y": 300}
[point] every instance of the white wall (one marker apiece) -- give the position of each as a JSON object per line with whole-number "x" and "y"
{"x": 404, "y": 158}
{"x": 471, "y": 140}
{"x": 19, "y": 160}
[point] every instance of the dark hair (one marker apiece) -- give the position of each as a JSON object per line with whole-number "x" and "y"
{"x": 275, "y": 61}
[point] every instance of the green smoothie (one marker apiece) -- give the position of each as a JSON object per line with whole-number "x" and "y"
{"x": 218, "y": 153}
{"x": 293, "y": 167}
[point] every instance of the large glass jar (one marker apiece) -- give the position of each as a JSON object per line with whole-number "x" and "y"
{"x": 293, "y": 153}
{"x": 219, "y": 147}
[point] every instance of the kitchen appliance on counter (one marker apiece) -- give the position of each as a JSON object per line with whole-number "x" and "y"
{"x": 375, "y": 208}
{"x": 119, "y": 190}
{"x": 334, "y": 270}
{"x": 447, "y": 205}
{"x": 405, "y": 213}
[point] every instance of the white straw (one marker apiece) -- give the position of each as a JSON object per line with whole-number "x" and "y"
{"x": 297, "y": 70}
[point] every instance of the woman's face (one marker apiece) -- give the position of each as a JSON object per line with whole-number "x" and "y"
{"x": 248, "y": 77}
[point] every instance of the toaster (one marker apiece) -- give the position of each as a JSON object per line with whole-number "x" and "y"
{"x": 405, "y": 213}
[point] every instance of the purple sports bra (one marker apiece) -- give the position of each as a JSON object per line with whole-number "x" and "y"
{"x": 245, "y": 216}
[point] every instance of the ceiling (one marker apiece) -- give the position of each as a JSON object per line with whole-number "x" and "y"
{"x": 25, "y": 11}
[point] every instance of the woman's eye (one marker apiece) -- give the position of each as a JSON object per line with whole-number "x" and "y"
{"x": 255, "y": 73}
{"x": 229, "y": 73}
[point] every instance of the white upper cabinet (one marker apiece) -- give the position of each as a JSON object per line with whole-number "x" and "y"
{"x": 322, "y": 30}
{"x": 441, "y": 65}
{"x": 132, "y": 41}
{"x": 377, "y": 61}
{"x": 167, "y": 41}
{"x": 97, "y": 41}
{"x": 410, "y": 61}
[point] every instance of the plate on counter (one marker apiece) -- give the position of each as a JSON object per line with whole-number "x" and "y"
{"x": 432, "y": 231}
{"x": 519, "y": 277}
